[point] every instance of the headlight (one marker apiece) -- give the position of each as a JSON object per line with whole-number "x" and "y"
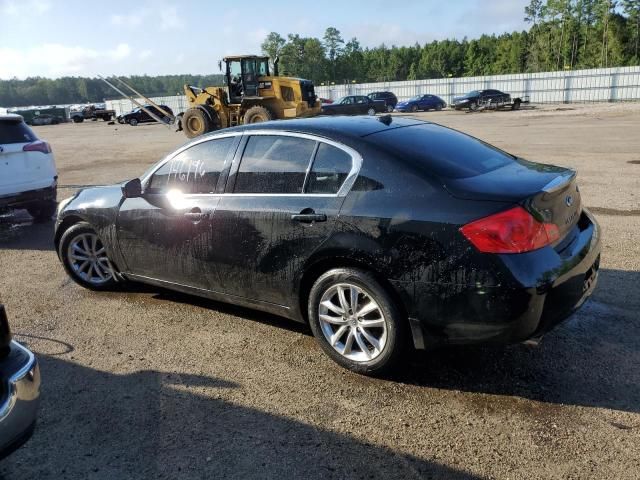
{"x": 64, "y": 203}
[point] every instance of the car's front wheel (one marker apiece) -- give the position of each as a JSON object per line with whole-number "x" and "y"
{"x": 356, "y": 321}
{"x": 371, "y": 111}
{"x": 85, "y": 258}
{"x": 133, "y": 122}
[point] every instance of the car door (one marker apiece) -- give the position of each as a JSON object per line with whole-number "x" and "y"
{"x": 280, "y": 205}
{"x": 363, "y": 104}
{"x": 166, "y": 234}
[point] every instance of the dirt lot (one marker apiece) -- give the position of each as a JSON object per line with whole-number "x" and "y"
{"x": 149, "y": 384}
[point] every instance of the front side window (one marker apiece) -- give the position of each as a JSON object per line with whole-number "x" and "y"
{"x": 274, "y": 164}
{"x": 329, "y": 171}
{"x": 195, "y": 170}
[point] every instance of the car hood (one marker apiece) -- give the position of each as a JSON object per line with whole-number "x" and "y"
{"x": 404, "y": 104}
{"x": 464, "y": 97}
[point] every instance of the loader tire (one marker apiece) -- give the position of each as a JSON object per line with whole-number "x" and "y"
{"x": 257, "y": 114}
{"x": 195, "y": 123}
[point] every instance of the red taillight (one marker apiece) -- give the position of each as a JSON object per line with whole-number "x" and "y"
{"x": 513, "y": 231}
{"x": 38, "y": 146}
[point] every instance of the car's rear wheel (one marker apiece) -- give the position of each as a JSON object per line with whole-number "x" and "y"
{"x": 85, "y": 259}
{"x": 42, "y": 211}
{"x": 389, "y": 108}
{"x": 356, "y": 321}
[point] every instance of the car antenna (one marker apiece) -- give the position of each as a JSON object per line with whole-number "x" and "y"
{"x": 386, "y": 119}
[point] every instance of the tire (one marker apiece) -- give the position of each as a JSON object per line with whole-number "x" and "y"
{"x": 371, "y": 112}
{"x": 473, "y": 106}
{"x": 390, "y": 108}
{"x": 438, "y": 107}
{"x": 195, "y": 123}
{"x": 77, "y": 119}
{"x": 86, "y": 277}
{"x": 414, "y": 108}
{"x": 42, "y": 211}
{"x": 257, "y": 114}
{"x": 133, "y": 122}
{"x": 389, "y": 335}
{"x": 516, "y": 105}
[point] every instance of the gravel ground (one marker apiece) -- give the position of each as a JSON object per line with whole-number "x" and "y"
{"x": 150, "y": 384}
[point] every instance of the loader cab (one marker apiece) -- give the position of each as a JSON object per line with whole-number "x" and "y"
{"x": 242, "y": 76}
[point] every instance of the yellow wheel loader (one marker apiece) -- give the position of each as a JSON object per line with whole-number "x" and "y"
{"x": 251, "y": 95}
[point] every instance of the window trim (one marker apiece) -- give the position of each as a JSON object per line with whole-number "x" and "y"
{"x": 356, "y": 164}
{"x": 145, "y": 180}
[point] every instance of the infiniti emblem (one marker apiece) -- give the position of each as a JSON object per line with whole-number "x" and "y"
{"x": 568, "y": 200}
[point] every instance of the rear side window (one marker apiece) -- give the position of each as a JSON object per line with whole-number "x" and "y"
{"x": 274, "y": 164}
{"x": 441, "y": 151}
{"x": 195, "y": 170}
{"x": 15, "y": 132}
{"x": 329, "y": 171}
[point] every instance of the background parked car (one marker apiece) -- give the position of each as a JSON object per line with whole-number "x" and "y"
{"x": 138, "y": 115}
{"x": 421, "y": 102}
{"x": 45, "y": 119}
{"x": 19, "y": 390}
{"x": 354, "y": 105}
{"x": 476, "y": 98}
{"x": 28, "y": 176}
{"x": 389, "y": 98}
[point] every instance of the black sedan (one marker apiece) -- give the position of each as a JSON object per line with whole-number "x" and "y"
{"x": 355, "y": 105}
{"x": 19, "y": 390}
{"x": 381, "y": 233}
{"x": 477, "y": 98}
{"x": 141, "y": 115}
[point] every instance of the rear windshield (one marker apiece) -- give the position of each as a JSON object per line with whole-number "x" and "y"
{"x": 441, "y": 151}
{"x": 15, "y": 132}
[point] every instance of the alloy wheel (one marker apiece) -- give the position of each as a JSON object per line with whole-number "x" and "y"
{"x": 88, "y": 259}
{"x": 352, "y": 322}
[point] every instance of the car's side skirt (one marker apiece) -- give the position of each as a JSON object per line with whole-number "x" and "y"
{"x": 276, "y": 309}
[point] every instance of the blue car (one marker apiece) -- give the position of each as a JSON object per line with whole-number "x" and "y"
{"x": 421, "y": 102}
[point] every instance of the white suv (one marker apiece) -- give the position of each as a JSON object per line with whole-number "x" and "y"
{"x": 28, "y": 177}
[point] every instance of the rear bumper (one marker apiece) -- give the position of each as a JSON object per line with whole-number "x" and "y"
{"x": 23, "y": 199}
{"x": 546, "y": 287}
{"x": 20, "y": 376}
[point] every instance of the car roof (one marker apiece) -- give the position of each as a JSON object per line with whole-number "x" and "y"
{"x": 11, "y": 117}
{"x": 335, "y": 127}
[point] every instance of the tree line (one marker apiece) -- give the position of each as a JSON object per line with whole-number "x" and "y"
{"x": 562, "y": 35}
{"x": 72, "y": 90}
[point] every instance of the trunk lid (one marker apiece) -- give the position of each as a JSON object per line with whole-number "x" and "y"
{"x": 548, "y": 192}
{"x": 20, "y": 170}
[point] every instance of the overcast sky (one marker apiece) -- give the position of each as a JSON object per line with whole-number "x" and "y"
{"x": 84, "y": 38}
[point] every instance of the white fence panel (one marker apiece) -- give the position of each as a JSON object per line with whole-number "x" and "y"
{"x": 577, "y": 86}
{"x": 596, "y": 85}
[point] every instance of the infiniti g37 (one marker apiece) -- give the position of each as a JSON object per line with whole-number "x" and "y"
{"x": 383, "y": 234}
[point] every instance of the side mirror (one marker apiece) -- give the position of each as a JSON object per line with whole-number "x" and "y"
{"x": 132, "y": 189}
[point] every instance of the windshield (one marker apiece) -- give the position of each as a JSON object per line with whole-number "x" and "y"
{"x": 473, "y": 93}
{"x": 417, "y": 97}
